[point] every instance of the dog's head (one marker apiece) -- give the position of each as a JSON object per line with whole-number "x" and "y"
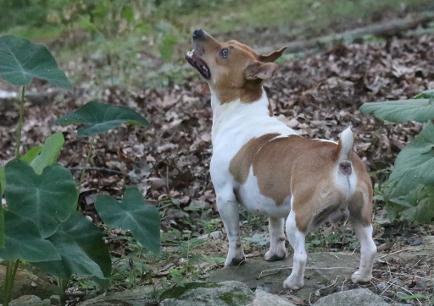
{"x": 232, "y": 69}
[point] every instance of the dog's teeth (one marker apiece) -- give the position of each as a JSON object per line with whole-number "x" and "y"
{"x": 190, "y": 53}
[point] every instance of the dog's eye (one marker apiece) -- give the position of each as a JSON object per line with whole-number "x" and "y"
{"x": 224, "y": 53}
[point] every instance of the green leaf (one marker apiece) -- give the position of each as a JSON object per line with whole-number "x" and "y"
{"x": 31, "y": 154}
{"x": 2, "y": 226}
{"x": 81, "y": 248}
{"x": 49, "y": 153}
{"x": 132, "y": 214}
{"x": 421, "y": 110}
{"x": 98, "y": 118}
{"x": 2, "y": 181}
{"x": 21, "y": 61}
{"x": 414, "y": 164}
{"x": 23, "y": 241}
{"x": 427, "y": 94}
{"x": 46, "y": 199}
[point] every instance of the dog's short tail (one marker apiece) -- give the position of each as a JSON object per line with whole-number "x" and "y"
{"x": 344, "y": 150}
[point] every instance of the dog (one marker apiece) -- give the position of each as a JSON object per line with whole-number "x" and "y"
{"x": 261, "y": 163}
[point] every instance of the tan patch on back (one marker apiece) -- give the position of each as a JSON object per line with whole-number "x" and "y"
{"x": 240, "y": 164}
{"x": 292, "y": 163}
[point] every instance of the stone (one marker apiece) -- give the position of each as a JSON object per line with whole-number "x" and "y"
{"x": 229, "y": 293}
{"x": 29, "y": 300}
{"x": 263, "y": 298}
{"x": 55, "y": 300}
{"x": 322, "y": 268}
{"x": 359, "y": 297}
{"x": 28, "y": 283}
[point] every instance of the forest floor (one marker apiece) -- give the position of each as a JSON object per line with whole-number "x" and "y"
{"x": 318, "y": 95}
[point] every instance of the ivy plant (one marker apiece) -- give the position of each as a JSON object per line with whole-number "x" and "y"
{"x": 409, "y": 191}
{"x": 40, "y": 223}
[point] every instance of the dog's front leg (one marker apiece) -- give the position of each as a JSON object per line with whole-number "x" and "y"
{"x": 297, "y": 240}
{"x": 228, "y": 210}
{"x": 277, "y": 249}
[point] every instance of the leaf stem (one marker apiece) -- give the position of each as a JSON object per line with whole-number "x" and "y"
{"x": 89, "y": 158}
{"x": 20, "y": 122}
{"x": 11, "y": 271}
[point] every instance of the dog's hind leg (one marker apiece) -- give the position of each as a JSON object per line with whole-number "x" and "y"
{"x": 277, "y": 249}
{"x": 360, "y": 213}
{"x": 297, "y": 240}
{"x": 227, "y": 206}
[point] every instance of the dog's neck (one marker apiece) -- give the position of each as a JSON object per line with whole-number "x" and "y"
{"x": 228, "y": 110}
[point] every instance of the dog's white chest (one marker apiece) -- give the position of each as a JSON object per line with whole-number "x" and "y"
{"x": 234, "y": 125}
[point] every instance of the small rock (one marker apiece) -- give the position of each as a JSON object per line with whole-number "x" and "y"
{"x": 263, "y": 298}
{"x": 210, "y": 294}
{"x": 55, "y": 300}
{"x": 29, "y": 300}
{"x": 359, "y": 297}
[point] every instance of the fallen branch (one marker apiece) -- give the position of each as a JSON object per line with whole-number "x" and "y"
{"x": 385, "y": 28}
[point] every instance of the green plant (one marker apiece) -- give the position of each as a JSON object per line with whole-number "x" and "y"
{"x": 409, "y": 191}
{"x": 40, "y": 224}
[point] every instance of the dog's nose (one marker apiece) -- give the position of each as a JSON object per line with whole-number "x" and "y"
{"x": 198, "y": 34}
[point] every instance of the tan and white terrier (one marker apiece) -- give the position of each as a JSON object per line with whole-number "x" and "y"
{"x": 261, "y": 163}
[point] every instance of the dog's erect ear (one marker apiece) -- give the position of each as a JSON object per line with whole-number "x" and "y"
{"x": 260, "y": 71}
{"x": 271, "y": 57}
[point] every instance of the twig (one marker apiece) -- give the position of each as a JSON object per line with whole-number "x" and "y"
{"x": 408, "y": 291}
{"x": 98, "y": 169}
{"x": 396, "y": 252}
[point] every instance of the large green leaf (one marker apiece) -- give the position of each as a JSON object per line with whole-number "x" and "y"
{"x": 46, "y": 199}
{"x": 2, "y": 181}
{"x": 132, "y": 214}
{"x": 23, "y": 241}
{"x": 2, "y": 226}
{"x": 82, "y": 250}
{"x": 31, "y": 154}
{"x": 49, "y": 153}
{"x": 414, "y": 164}
{"x": 417, "y": 205}
{"x": 427, "y": 94}
{"x": 98, "y": 118}
{"x": 21, "y": 61}
{"x": 421, "y": 110}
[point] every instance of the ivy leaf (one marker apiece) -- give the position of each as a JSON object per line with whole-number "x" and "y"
{"x": 46, "y": 199}
{"x": 23, "y": 241}
{"x": 98, "y": 118}
{"x": 22, "y": 60}
{"x": 132, "y": 214}
{"x": 81, "y": 248}
{"x": 421, "y": 110}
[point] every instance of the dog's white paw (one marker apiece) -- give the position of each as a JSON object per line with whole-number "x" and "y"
{"x": 237, "y": 260}
{"x": 359, "y": 277}
{"x": 274, "y": 255}
{"x": 293, "y": 282}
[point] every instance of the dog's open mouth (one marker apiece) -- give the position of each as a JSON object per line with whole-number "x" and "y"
{"x": 198, "y": 63}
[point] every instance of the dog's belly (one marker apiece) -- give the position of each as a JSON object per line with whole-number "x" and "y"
{"x": 251, "y": 197}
